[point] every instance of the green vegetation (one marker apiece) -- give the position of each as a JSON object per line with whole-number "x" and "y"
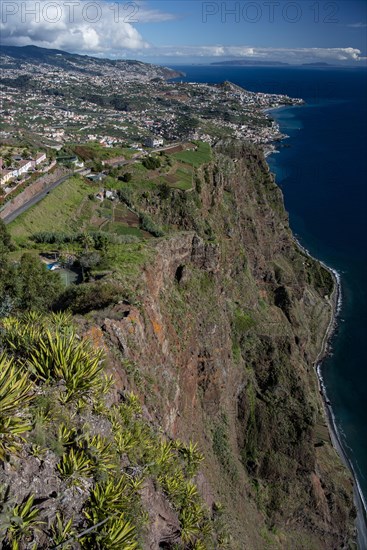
{"x": 222, "y": 448}
{"x": 201, "y": 154}
{"x": 41, "y": 351}
{"x": 15, "y": 395}
{"x": 58, "y": 211}
{"x": 27, "y": 284}
{"x": 151, "y": 163}
{"x": 95, "y": 151}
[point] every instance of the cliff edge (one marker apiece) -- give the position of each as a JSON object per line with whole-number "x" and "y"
{"x": 216, "y": 334}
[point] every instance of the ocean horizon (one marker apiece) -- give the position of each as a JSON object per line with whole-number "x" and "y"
{"x": 322, "y": 171}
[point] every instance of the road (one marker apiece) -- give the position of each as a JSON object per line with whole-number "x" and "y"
{"x": 34, "y": 200}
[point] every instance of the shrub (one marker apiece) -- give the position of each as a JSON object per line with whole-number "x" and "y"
{"x": 126, "y": 195}
{"x": 89, "y": 296}
{"x": 147, "y": 224}
{"x": 63, "y": 357}
{"x": 151, "y": 163}
{"x": 15, "y": 394}
{"x": 164, "y": 191}
{"x": 126, "y": 177}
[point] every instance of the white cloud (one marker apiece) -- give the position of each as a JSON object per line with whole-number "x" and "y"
{"x": 80, "y": 26}
{"x": 288, "y": 55}
{"x": 107, "y": 28}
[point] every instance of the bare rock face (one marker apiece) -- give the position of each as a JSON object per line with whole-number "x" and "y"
{"x": 164, "y": 527}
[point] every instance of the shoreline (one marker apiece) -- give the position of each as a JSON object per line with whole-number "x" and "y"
{"x": 336, "y": 305}
{"x": 335, "y": 302}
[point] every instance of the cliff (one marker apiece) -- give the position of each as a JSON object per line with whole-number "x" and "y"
{"x": 217, "y": 334}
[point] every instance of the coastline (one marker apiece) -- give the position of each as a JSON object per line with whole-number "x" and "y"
{"x": 335, "y": 301}
{"x": 336, "y": 304}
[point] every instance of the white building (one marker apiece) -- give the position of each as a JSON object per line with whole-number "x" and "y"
{"x": 40, "y": 157}
{"x": 24, "y": 166}
{"x": 5, "y": 176}
{"x": 153, "y": 142}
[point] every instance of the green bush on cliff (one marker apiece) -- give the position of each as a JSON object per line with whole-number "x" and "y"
{"x": 43, "y": 355}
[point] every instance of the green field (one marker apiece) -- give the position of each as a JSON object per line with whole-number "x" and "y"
{"x": 62, "y": 210}
{"x": 196, "y": 157}
{"x": 69, "y": 209}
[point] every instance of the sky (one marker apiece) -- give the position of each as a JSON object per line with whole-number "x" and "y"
{"x": 193, "y": 31}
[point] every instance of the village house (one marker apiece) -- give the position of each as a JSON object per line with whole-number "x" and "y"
{"x": 5, "y": 176}
{"x": 39, "y": 158}
{"x": 153, "y": 142}
{"x": 24, "y": 166}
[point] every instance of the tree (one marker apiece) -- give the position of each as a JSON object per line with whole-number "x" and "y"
{"x": 38, "y": 288}
{"x": 86, "y": 240}
{"x": 5, "y": 239}
{"x": 164, "y": 191}
{"x": 151, "y": 163}
{"x": 89, "y": 260}
{"x": 101, "y": 241}
{"x": 126, "y": 177}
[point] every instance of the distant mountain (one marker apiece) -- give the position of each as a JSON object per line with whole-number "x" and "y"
{"x": 250, "y": 62}
{"x": 317, "y": 64}
{"x": 14, "y": 56}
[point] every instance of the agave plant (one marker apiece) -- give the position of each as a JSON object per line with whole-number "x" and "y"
{"x": 133, "y": 403}
{"x": 124, "y": 441}
{"x": 165, "y": 455}
{"x": 15, "y": 387}
{"x": 22, "y": 521}
{"x": 61, "y": 321}
{"x": 64, "y": 357}
{"x": 101, "y": 453}
{"x": 116, "y": 534}
{"x": 66, "y": 436}
{"x": 107, "y": 498}
{"x": 173, "y": 485}
{"x": 192, "y": 457}
{"x": 21, "y": 333}
{"x": 75, "y": 463}
{"x": 190, "y": 494}
{"x": 62, "y": 531}
{"x": 199, "y": 545}
{"x": 190, "y": 521}
{"x": 15, "y": 394}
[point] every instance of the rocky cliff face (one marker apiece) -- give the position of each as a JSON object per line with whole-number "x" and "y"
{"x": 231, "y": 316}
{"x": 217, "y": 336}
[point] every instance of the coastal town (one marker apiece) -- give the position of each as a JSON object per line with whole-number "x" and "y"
{"x": 75, "y": 99}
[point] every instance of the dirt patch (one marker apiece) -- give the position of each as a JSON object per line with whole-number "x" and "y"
{"x": 173, "y": 150}
{"x": 171, "y": 178}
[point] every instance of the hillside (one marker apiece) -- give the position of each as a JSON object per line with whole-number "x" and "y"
{"x": 14, "y": 56}
{"x": 208, "y": 333}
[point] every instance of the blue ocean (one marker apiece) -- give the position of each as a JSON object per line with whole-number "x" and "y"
{"x": 322, "y": 170}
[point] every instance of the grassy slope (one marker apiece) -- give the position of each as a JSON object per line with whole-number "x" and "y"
{"x": 195, "y": 157}
{"x": 58, "y": 211}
